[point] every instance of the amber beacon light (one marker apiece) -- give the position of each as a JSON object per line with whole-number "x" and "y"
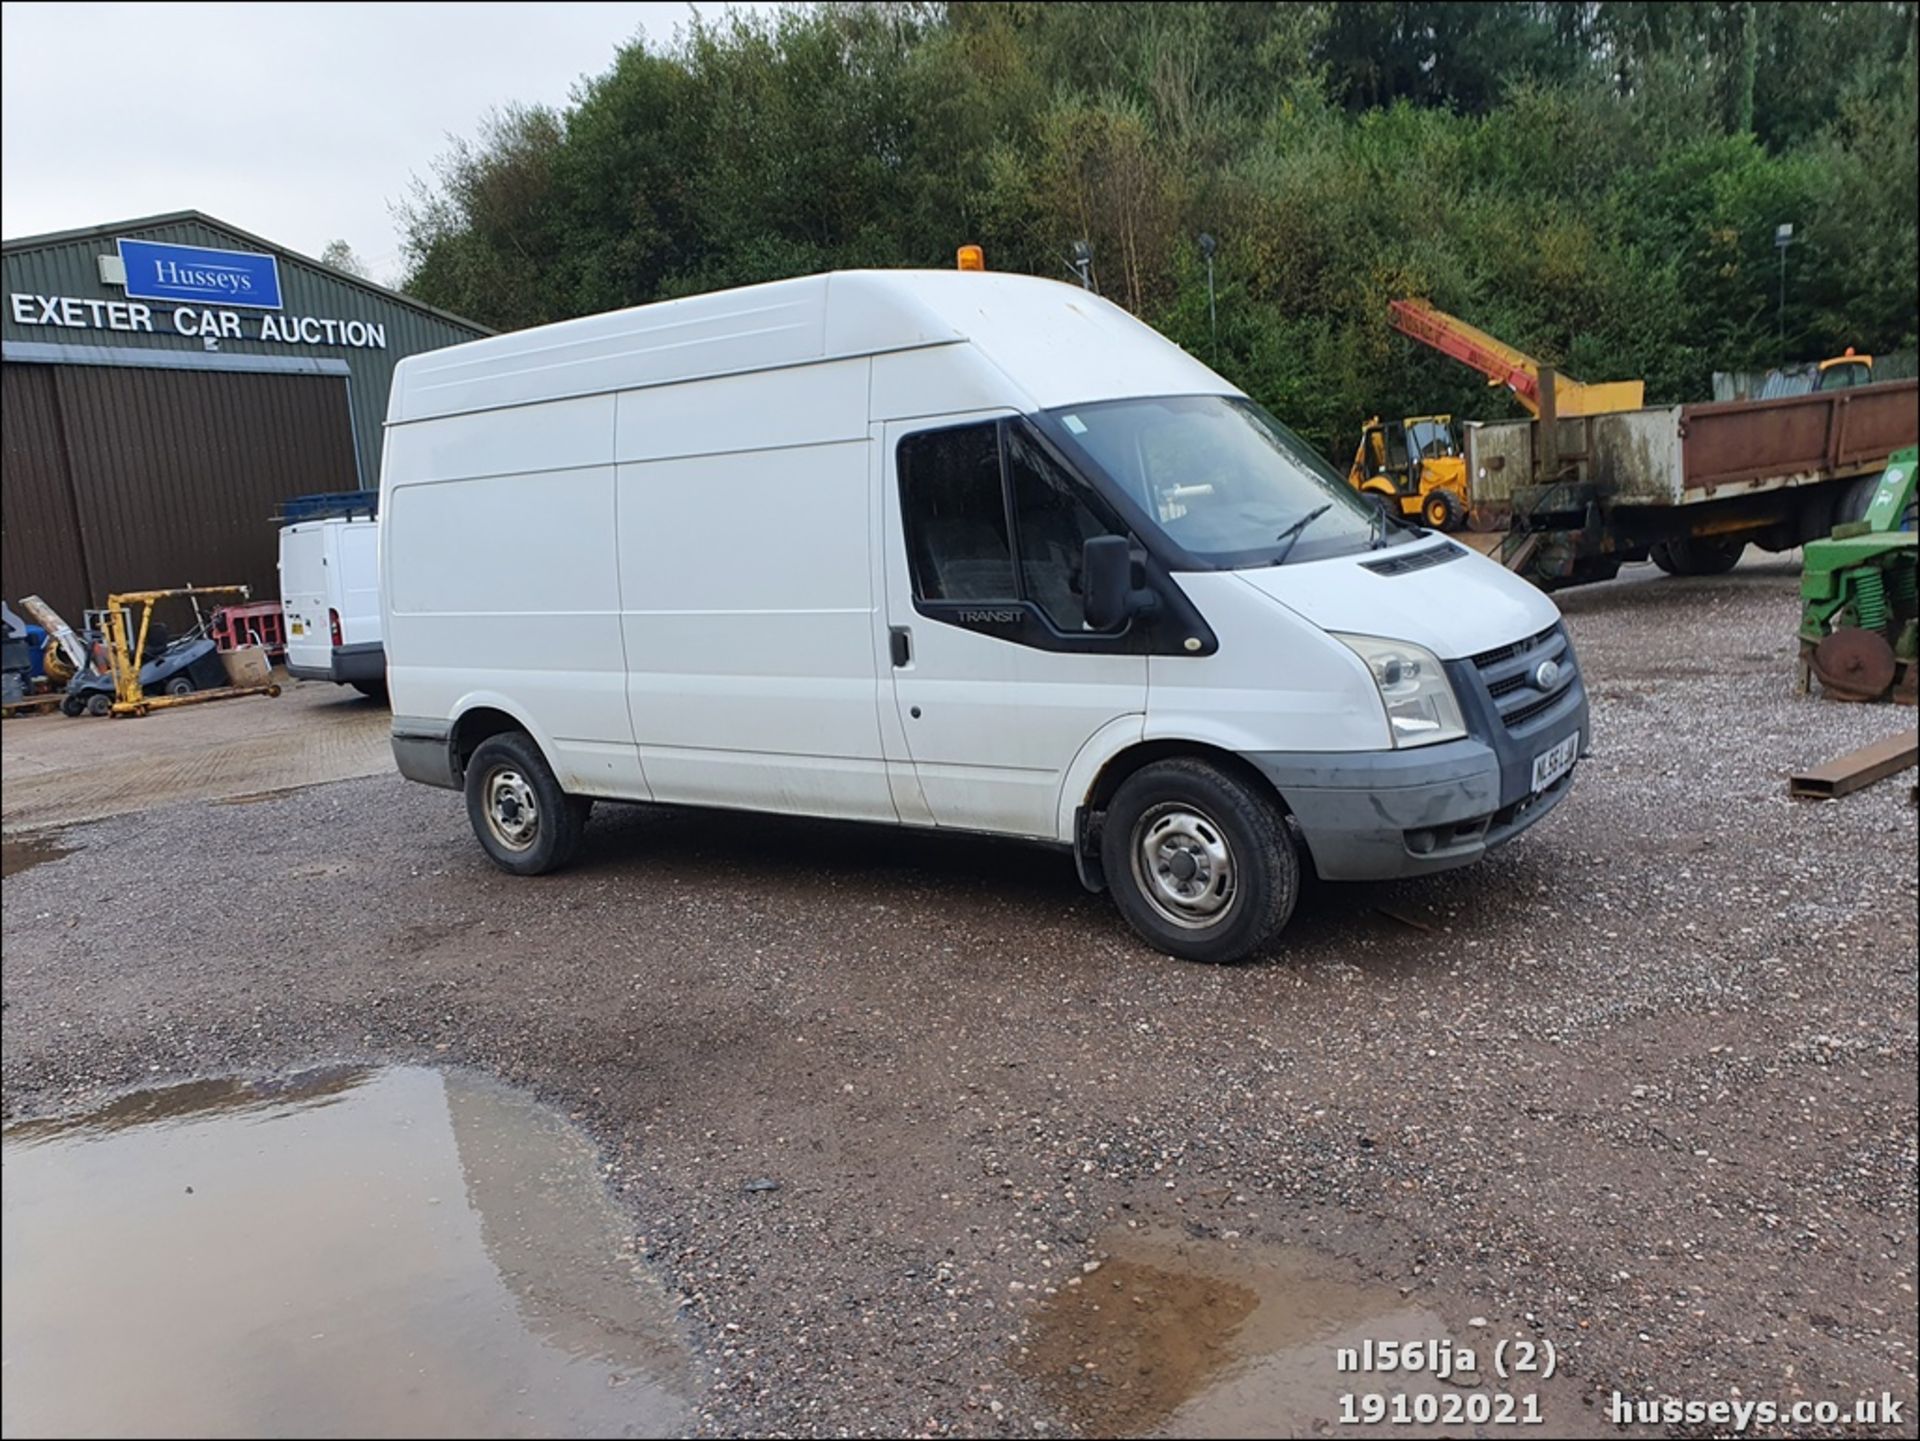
{"x": 971, "y": 257}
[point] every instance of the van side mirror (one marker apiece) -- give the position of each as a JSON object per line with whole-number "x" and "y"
{"x": 1106, "y": 571}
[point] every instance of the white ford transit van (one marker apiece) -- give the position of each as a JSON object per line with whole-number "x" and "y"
{"x": 966, "y": 550}
{"x": 330, "y": 597}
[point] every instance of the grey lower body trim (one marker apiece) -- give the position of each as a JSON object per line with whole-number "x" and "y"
{"x": 1382, "y": 815}
{"x": 365, "y": 663}
{"x": 423, "y": 751}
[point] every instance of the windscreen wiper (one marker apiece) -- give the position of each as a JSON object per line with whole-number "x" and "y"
{"x": 1292, "y": 533}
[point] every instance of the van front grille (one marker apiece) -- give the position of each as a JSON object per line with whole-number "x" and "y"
{"x": 1511, "y": 674}
{"x": 1498, "y": 654}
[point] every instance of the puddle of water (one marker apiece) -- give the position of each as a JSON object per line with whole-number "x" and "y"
{"x": 1177, "y": 1337}
{"x": 26, "y": 852}
{"x": 351, "y": 1252}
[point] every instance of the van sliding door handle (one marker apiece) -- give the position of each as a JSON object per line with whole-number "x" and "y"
{"x": 900, "y": 638}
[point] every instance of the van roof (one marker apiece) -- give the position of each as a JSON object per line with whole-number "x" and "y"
{"x": 1057, "y": 344}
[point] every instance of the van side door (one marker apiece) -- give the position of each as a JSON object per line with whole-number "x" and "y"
{"x": 997, "y": 679}
{"x": 748, "y": 604}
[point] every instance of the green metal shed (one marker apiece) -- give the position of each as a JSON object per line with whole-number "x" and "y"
{"x": 167, "y": 381}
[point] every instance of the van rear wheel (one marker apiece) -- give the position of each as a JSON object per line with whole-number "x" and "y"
{"x": 1200, "y": 862}
{"x": 525, "y": 822}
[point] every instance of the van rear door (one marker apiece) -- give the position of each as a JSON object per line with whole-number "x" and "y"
{"x": 357, "y": 582}
{"x": 997, "y": 681}
{"x": 303, "y": 595}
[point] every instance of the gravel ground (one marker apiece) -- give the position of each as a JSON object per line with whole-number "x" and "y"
{"x": 61, "y": 770}
{"x": 1644, "y": 1082}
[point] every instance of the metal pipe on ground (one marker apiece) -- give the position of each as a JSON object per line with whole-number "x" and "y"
{"x": 1857, "y": 769}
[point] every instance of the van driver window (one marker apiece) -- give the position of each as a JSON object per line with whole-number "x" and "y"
{"x": 955, "y": 514}
{"x": 1054, "y": 524}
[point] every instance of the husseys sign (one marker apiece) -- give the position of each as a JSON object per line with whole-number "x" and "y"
{"x": 231, "y": 293}
{"x": 194, "y": 272}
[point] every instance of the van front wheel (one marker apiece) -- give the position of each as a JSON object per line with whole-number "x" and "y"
{"x": 525, "y": 822}
{"x": 1201, "y": 863}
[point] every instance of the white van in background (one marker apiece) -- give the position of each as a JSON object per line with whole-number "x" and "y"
{"x": 330, "y": 594}
{"x": 943, "y": 549}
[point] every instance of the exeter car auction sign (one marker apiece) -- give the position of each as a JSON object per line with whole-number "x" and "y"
{"x": 209, "y": 324}
{"x": 203, "y": 293}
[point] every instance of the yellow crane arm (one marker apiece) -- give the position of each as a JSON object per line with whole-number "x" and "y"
{"x": 1507, "y": 365}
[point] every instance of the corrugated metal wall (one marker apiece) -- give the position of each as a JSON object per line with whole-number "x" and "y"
{"x": 71, "y": 267}
{"x": 39, "y": 531}
{"x": 121, "y": 478}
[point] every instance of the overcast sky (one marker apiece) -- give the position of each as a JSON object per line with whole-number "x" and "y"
{"x": 301, "y": 123}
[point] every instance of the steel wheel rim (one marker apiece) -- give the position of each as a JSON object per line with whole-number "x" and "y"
{"x": 513, "y": 813}
{"x": 1183, "y": 866}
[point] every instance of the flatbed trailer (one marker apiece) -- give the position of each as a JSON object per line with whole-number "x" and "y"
{"x": 1690, "y": 486}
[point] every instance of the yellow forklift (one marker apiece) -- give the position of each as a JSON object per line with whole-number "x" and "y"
{"x": 135, "y": 669}
{"x": 1413, "y": 467}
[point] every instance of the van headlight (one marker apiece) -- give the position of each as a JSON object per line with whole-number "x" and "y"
{"x": 1421, "y": 709}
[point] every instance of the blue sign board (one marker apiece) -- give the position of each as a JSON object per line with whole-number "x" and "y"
{"x": 195, "y": 273}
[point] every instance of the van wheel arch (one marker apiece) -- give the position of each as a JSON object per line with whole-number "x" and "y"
{"x": 1091, "y": 816}
{"x": 472, "y": 728}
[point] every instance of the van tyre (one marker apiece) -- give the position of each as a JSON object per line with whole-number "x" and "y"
{"x": 1200, "y": 863}
{"x": 525, "y": 823}
{"x": 374, "y": 690}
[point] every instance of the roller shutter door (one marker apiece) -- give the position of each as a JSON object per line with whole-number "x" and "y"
{"x": 169, "y": 475}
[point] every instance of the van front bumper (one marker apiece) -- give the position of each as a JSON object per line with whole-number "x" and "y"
{"x": 1383, "y": 815}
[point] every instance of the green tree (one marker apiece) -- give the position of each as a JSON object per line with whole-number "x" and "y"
{"x": 340, "y": 256}
{"x": 1597, "y": 183}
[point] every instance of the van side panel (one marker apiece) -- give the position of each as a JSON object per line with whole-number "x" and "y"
{"x": 750, "y": 329}
{"x": 509, "y": 585}
{"x": 748, "y": 606}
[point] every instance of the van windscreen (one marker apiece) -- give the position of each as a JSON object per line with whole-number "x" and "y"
{"x": 1218, "y": 476}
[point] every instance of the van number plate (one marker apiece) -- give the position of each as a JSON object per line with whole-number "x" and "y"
{"x": 1549, "y": 766}
{"x": 297, "y": 628}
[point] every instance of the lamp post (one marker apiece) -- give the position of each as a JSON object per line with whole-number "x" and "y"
{"x": 1782, "y": 238}
{"x": 1213, "y": 316}
{"x": 1083, "y": 263}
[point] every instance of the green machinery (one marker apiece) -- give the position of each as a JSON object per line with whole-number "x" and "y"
{"x": 1858, "y": 596}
